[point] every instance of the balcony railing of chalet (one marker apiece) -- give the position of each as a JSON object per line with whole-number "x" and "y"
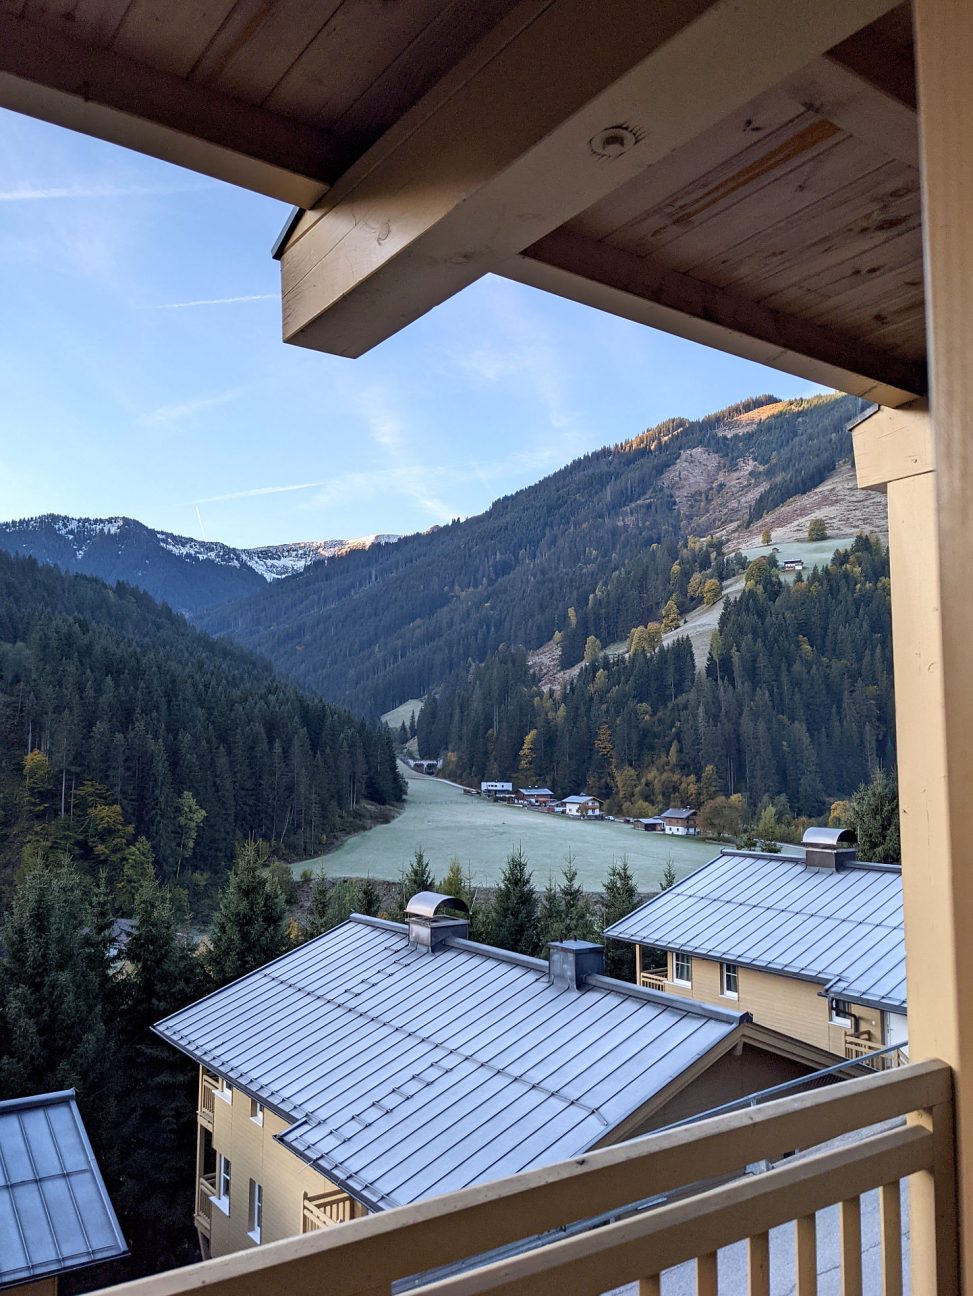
{"x": 323, "y": 1210}
{"x": 654, "y": 979}
{"x": 860, "y": 1048}
{"x": 205, "y": 1191}
{"x": 208, "y": 1086}
{"x": 682, "y": 1216}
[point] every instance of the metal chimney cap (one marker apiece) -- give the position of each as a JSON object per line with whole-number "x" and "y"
{"x": 828, "y": 838}
{"x": 429, "y": 904}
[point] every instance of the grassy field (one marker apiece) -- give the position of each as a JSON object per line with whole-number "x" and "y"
{"x": 445, "y": 822}
{"x": 402, "y": 713}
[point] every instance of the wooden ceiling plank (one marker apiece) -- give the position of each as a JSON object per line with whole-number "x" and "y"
{"x": 622, "y": 284}
{"x": 777, "y": 198}
{"x": 93, "y": 21}
{"x": 172, "y": 38}
{"x": 737, "y": 136}
{"x": 509, "y": 156}
{"x": 458, "y": 26}
{"x": 863, "y": 213}
{"x": 359, "y": 43}
{"x": 900, "y": 253}
{"x": 102, "y": 93}
{"x": 258, "y": 45}
{"x": 839, "y": 94}
{"x": 711, "y": 192}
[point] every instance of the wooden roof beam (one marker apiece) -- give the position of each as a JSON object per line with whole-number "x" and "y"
{"x": 623, "y": 284}
{"x": 47, "y": 74}
{"x": 562, "y": 103}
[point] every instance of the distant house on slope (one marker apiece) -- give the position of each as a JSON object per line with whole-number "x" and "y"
{"x": 55, "y": 1213}
{"x": 793, "y": 565}
{"x": 496, "y": 788}
{"x": 810, "y": 945}
{"x": 536, "y": 796}
{"x": 680, "y": 823}
{"x": 581, "y": 807}
{"x": 384, "y": 1063}
{"x": 653, "y": 824}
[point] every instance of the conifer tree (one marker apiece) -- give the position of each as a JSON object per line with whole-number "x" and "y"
{"x": 418, "y": 876}
{"x": 512, "y": 922}
{"x": 367, "y": 900}
{"x": 620, "y": 898}
{"x": 578, "y": 921}
{"x": 54, "y": 990}
{"x": 873, "y": 813}
{"x": 250, "y": 927}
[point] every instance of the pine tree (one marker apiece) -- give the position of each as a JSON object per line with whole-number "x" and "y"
{"x": 418, "y": 876}
{"x": 512, "y": 922}
{"x": 620, "y": 898}
{"x": 873, "y": 813}
{"x": 578, "y": 921}
{"x": 368, "y": 900}
{"x": 55, "y": 990}
{"x": 250, "y": 927}
{"x": 669, "y": 878}
{"x": 156, "y": 1124}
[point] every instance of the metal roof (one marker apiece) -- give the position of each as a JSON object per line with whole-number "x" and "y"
{"x": 55, "y": 1214}
{"x": 675, "y": 812}
{"x": 408, "y": 1074}
{"x": 842, "y": 928}
{"x": 578, "y": 800}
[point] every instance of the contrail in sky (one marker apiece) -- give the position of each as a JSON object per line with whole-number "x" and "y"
{"x": 199, "y": 518}
{"x": 215, "y": 301}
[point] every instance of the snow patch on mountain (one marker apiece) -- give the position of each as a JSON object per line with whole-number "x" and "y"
{"x": 273, "y": 562}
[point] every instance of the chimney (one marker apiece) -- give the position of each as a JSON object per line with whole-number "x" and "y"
{"x": 429, "y": 927}
{"x": 829, "y": 848}
{"x": 573, "y": 961}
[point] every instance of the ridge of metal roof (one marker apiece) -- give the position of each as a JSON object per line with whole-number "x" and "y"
{"x": 840, "y": 929}
{"x": 55, "y": 1212}
{"x": 369, "y": 1046}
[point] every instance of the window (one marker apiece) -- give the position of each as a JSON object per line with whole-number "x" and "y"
{"x": 256, "y": 1210}
{"x": 682, "y": 969}
{"x": 256, "y": 1111}
{"x": 225, "y": 1090}
{"x": 222, "y": 1200}
{"x": 841, "y": 1014}
{"x": 729, "y": 981}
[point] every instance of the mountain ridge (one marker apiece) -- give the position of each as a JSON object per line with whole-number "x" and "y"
{"x": 188, "y": 574}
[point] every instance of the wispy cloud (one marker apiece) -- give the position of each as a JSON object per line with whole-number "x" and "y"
{"x": 48, "y": 193}
{"x": 260, "y": 490}
{"x": 188, "y": 409}
{"x": 215, "y": 301}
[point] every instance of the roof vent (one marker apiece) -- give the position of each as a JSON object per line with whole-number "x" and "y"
{"x": 829, "y": 848}
{"x": 429, "y": 926}
{"x": 573, "y": 961}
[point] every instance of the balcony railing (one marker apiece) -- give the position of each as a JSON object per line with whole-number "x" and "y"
{"x": 205, "y": 1191}
{"x": 323, "y": 1210}
{"x": 860, "y": 1048}
{"x": 701, "y": 1201}
{"x": 208, "y": 1086}
{"x": 654, "y": 979}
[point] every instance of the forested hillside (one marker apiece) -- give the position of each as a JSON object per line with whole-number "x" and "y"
{"x": 796, "y": 702}
{"x": 393, "y": 622}
{"x": 189, "y": 575}
{"x": 118, "y": 722}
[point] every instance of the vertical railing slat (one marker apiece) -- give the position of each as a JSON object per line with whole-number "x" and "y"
{"x": 851, "y": 1247}
{"x": 891, "y": 1215}
{"x": 807, "y": 1256}
{"x": 760, "y": 1265}
{"x": 707, "y": 1276}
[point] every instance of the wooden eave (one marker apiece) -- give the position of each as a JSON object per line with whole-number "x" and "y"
{"x": 743, "y": 175}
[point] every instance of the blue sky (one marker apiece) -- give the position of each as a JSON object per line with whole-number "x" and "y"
{"x": 143, "y": 374}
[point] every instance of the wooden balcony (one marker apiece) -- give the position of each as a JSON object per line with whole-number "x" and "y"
{"x": 208, "y": 1085}
{"x": 862, "y": 1048}
{"x": 205, "y": 1192}
{"x": 654, "y": 979}
{"x": 851, "y": 1138}
{"x": 326, "y": 1209}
